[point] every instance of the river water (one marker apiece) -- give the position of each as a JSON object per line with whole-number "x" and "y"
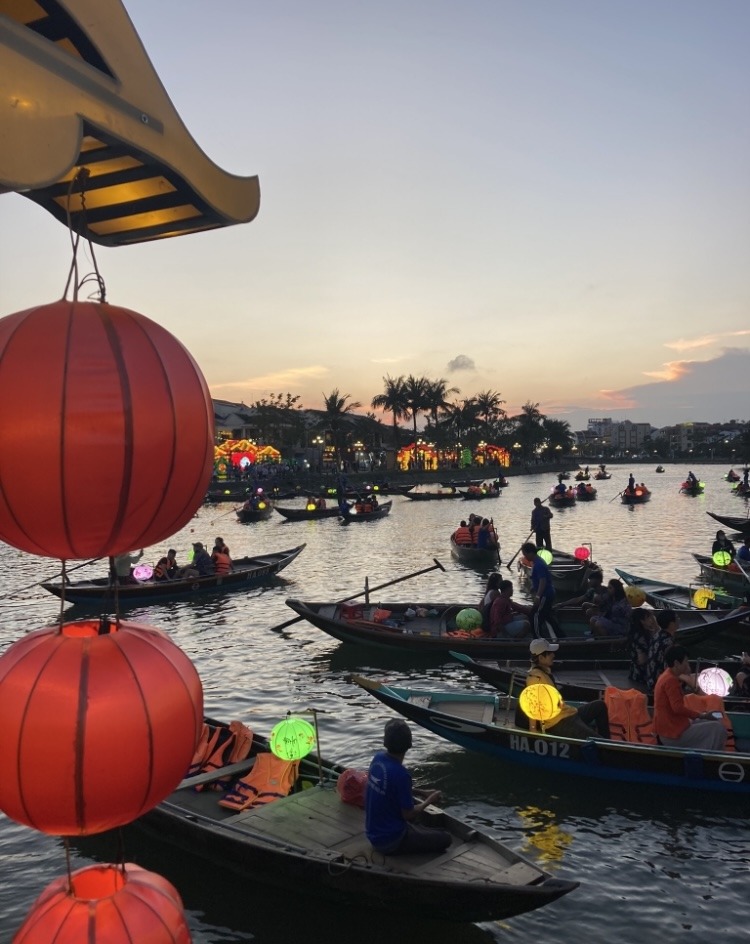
{"x": 651, "y": 863}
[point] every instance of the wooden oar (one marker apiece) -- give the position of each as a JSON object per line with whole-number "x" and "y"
{"x": 436, "y": 566}
{"x": 618, "y": 495}
{"x": 38, "y": 583}
{"x": 224, "y": 514}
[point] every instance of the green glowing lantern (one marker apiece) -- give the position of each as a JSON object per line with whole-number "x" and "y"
{"x": 722, "y": 558}
{"x": 540, "y": 702}
{"x": 468, "y": 619}
{"x": 545, "y": 555}
{"x": 292, "y": 739}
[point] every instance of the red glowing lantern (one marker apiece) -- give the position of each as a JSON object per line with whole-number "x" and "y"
{"x": 581, "y": 553}
{"x": 109, "y": 903}
{"x": 107, "y": 427}
{"x": 97, "y": 727}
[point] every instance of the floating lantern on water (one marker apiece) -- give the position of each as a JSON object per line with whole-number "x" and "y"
{"x": 292, "y": 739}
{"x": 715, "y": 681}
{"x": 540, "y": 702}
{"x": 635, "y": 596}
{"x": 101, "y": 722}
{"x": 122, "y": 425}
{"x": 107, "y": 903}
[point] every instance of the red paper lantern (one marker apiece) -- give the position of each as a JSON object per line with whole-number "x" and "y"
{"x": 107, "y": 424}
{"x": 581, "y": 553}
{"x": 96, "y": 729}
{"x": 106, "y": 903}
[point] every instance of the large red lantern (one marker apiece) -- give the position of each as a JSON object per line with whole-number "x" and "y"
{"x": 105, "y": 903}
{"x": 107, "y": 431}
{"x": 99, "y": 724}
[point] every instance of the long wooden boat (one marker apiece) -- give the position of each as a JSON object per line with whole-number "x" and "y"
{"x": 432, "y": 496}
{"x": 247, "y": 572}
{"x": 578, "y": 680}
{"x": 485, "y": 723}
{"x": 733, "y": 521}
{"x": 472, "y": 556}
{"x": 314, "y": 843}
{"x": 568, "y": 574}
{"x": 383, "y": 509}
{"x": 663, "y": 595}
{"x": 431, "y": 629}
{"x": 308, "y": 514}
{"x": 728, "y": 577}
{"x": 250, "y": 515}
{"x": 637, "y": 497}
{"x": 478, "y": 494}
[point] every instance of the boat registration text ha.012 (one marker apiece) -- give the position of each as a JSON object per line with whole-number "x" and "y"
{"x": 543, "y": 748}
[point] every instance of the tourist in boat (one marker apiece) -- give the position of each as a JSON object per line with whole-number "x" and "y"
{"x": 220, "y": 557}
{"x": 390, "y": 805}
{"x": 491, "y": 590}
{"x": 580, "y": 489}
{"x": 643, "y": 626}
{"x": 508, "y": 619}
{"x": 741, "y": 686}
{"x": 122, "y": 566}
{"x": 631, "y": 483}
{"x": 569, "y": 721}
{"x": 462, "y": 535}
{"x": 722, "y": 543}
{"x": 615, "y": 621}
{"x": 692, "y": 480}
{"x": 594, "y": 599}
{"x": 486, "y": 537}
{"x": 743, "y": 552}
{"x": 540, "y": 524}
{"x": 320, "y": 503}
{"x": 661, "y": 641}
{"x": 167, "y": 567}
{"x": 542, "y": 589}
{"x": 675, "y": 723}
{"x": 202, "y": 565}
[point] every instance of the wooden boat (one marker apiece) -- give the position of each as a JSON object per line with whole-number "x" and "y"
{"x": 586, "y": 494}
{"x": 659, "y": 468}
{"x": 578, "y": 680}
{"x": 663, "y": 595}
{"x": 731, "y": 577}
{"x": 444, "y": 495}
{"x": 602, "y": 475}
{"x": 248, "y": 571}
{"x": 730, "y": 521}
{"x": 692, "y": 488}
{"x": 430, "y": 628}
{"x": 472, "y": 556}
{"x": 383, "y": 509}
{"x": 742, "y": 490}
{"x": 562, "y": 499}
{"x": 461, "y": 483}
{"x": 732, "y": 476}
{"x": 479, "y": 492}
{"x": 568, "y": 574}
{"x": 250, "y": 515}
{"x": 308, "y": 514}
{"x": 485, "y": 723}
{"x": 582, "y": 476}
{"x": 639, "y": 496}
{"x": 314, "y": 843}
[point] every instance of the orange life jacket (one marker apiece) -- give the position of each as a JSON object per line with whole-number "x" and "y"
{"x": 270, "y": 778}
{"x": 222, "y": 562}
{"x": 629, "y": 717}
{"x": 218, "y": 746}
{"x": 462, "y": 536}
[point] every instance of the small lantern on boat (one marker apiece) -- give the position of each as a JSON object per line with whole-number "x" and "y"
{"x": 582, "y": 553}
{"x": 101, "y": 721}
{"x": 635, "y": 596}
{"x": 116, "y": 904}
{"x": 545, "y": 555}
{"x": 540, "y": 702}
{"x": 292, "y": 739}
{"x": 721, "y": 558}
{"x": 715, "y": 681}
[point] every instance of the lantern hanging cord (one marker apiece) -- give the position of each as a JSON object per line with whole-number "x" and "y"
{"x": 79, "y": 183}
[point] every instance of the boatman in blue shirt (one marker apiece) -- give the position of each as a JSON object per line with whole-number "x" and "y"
{"x": 543, "y": 591}
{"x": 390, "y": 807}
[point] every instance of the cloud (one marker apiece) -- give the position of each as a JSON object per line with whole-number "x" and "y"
{"x": 289, "y": 378}
{"x": 461, "y": 362}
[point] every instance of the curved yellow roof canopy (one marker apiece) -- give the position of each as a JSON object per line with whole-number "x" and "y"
{"x": 79, "y": 92}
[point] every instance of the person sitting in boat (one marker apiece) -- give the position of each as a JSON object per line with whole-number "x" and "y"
{"x": 595, "y": 599}
{"x": 589, "y": 488}
{"x": 508, "y": 619}
{"x": 615, "y": 621}
{"x": 691, "y": 480}
{"x": 320, "y": 503}
{"x": 560, "y": 487}
{"x": 462, "y": 535}
{"x": 486, "y": 537}
{"x": 390, "y": 805}
{"x": 123, "y": 564}
{"x": 722, "y": 543}
{"x": 743, "y": 552}
{"x": 580, "y": 489}
{"x": 643, "y": 627}
{"x": 675, "y": 723}
{"x": 202, "y": 565}
{"x": 220, "y": 557}
{"x": 741, "y": 686}
{"x": 569, "y": 493}
{"x": 167, "y": 568}
{"x": 491, "y": 590}
{"x": 569, "y": 721}
{"x": 661, "y": 641}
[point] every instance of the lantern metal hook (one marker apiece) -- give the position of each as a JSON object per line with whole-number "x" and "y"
{"x": 78, "y": 184}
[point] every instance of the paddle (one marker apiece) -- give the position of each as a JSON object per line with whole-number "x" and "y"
{"x": 224, "y": 514}
{"x": 618, "y": 495}
{"x": 38, "y": 583}
{"x": 436, "y": 566}
{"x": 527, "y": 539}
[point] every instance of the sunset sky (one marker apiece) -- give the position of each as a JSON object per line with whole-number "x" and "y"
{"x": 546, "y": 198}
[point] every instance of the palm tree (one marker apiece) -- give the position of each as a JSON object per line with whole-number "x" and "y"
{"x": 336, "y": 407}
{"x": 415, "y": 394}
{"x": 461, "y": 418}
{"x": 436, "y": 394}
{"x": 392, "y": 400}
{"x": 529, "y": 430}
{"x": 490, "y": 410}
